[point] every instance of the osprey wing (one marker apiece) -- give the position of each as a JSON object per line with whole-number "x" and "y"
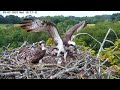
{"x": 67, "y": 36}
{"x": 31, "y": 25}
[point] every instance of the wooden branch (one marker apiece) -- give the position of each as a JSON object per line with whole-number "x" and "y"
{"x": 110, "y": 41}
{"x": 10, "y": 73}
{"x": 66, "y": 70}
{"x": 101, "y": 47}
{"x": 74, "y": 36}
{"x": 61, "y": 72}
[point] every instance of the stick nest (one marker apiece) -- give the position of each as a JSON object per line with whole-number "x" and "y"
{"x": 82, "y": 66}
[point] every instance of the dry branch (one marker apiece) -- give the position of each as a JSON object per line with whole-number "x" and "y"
{"x": 82, "y": 66}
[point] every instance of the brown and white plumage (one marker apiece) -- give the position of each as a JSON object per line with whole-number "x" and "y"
{"x": 44, "y": 26}
{"x": 67, "y": 40}
{"x": 31, "y": 56}
{"x": 68, "y": 34}
{"x": 36, "y": 25}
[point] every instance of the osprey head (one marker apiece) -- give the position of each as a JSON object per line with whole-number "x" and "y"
{"x": 71, "y": 46}
{"x": 54, "y": 51}
{"x": 42, "y": 45}
{"x": 71, "y": 43}
{"x": 41, "y": 42}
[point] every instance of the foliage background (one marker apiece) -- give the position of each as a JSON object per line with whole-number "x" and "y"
{"x": 11, "y": 33}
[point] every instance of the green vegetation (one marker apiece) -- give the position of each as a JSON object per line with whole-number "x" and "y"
{"x": 98, "y": 31}
{"x": 11, "y": 33}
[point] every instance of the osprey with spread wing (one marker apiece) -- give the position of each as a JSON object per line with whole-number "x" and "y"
{"x": 37, "y": 25}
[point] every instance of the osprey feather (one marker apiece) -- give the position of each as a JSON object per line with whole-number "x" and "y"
{"x": 37, "y": 25}
{"x": 32, "y": 55}
{"x": 68, "y": 35}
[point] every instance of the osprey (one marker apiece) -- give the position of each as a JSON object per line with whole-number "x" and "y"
{"x": 28, "y": 55}
{"x": 69, "y": 45}
{"x": 67, "y": 40}
{"x": 37, "y": 25}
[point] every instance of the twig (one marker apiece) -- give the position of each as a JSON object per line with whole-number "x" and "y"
{"x": 101, "y": 49}
{"x": 114, "y": 33}
{"x": 35, "y": 74}
{"x": 110, "y": 41}
{"x": 117, "y": 56}
{"x": 93, "y": 46}
{"x": 104, "y": 62}
{"x": 103, "y": 43}
{"x": 10, "y": 73}
{"x": 114, "y": 48}
{"x": 109, "y": 73}
{"x": 63, "y": 71}
{"x": 74, "y": 36}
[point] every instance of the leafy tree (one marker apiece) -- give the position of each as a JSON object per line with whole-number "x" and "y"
{"x": 11, "y": 19}
{"x": 2, "y": 19}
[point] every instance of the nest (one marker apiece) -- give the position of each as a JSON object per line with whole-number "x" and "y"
{"x": 82, "y": 66}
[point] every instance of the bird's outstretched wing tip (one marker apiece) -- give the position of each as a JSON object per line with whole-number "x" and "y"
{"x": 27, "y": 20}
{"x": 29, "y": 30}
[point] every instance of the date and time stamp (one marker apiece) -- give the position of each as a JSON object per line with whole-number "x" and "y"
{"x": 19, "y": 12}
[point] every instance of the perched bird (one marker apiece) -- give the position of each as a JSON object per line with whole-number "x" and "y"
{"x": 70, "y": 46}
{"x": 27, "y": 55}
{"x": 67, "y": 39}
{"x": 37, "y": 25}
